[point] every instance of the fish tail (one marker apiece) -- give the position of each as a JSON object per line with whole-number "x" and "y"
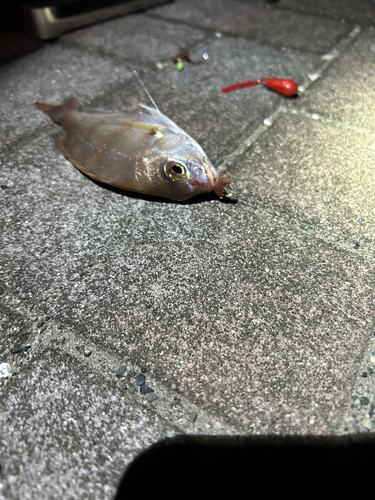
{"x": 58, "y": 112}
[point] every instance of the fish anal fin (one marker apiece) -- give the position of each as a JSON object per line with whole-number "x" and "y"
{"x": 59, "y": 142}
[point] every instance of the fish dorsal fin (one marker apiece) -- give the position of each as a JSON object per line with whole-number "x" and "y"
{"x": 170, "y": 124}
{"x": 167, "y": 121}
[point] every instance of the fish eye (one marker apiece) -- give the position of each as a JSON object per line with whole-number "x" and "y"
{"x": 175, "y": 171}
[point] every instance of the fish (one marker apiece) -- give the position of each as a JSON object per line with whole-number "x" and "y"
{"x": 142, "y": 152}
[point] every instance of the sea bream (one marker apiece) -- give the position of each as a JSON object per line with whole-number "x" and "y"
{"x": 143, "y": 152}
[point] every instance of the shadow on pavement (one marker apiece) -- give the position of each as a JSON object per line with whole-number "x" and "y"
{"x": 256, "y": 467}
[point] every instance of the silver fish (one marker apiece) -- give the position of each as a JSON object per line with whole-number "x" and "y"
{"x": 146, "y": 153}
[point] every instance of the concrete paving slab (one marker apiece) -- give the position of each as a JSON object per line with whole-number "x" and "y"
{"x": 37, "y": 333}
{"x": 137, "y": 38}
{"x": 319, "y": 175}
{"x": 347, "y": 94}
{"x": 68, "y": 431}
{"x": 343, "y": 10}
{"x": 251, "y": 319}
{"x": 258, "y": 21}
{"x": 51, "y": 75}
{"x": 193, "y": 97}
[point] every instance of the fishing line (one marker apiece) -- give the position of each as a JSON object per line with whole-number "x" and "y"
{"x": 145, "y": 89}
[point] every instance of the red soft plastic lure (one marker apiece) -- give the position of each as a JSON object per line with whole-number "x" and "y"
{"x": 283, "y": 86}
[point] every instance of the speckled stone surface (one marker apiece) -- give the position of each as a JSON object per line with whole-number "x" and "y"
{"x": 53, "y": 73}
{"x": 358, "y": 415}
{"x": 248, "y": 315}
{"x": 14, "y": 329}
{"x": 347, "y": 92}
{"x": 259, "y": 21}
{"x": 315, "y": 172}
{"x": 78, "y": 429}
{"x": 202, "y": 288}
{"x": 125, "y": 38}
{"x": 342, "y": 10}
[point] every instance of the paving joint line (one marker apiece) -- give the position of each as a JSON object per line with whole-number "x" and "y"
{"x": 287, "y": 107}
{"x": 229, "y": 33}
{"x": 318, "y": 15}
{"x": 140, "y": 66}
{"x": 103, "y": 54}
{"x": 333, "y": 237}
{"x": 104, "y": 363}
{"x": 365, "y": 362}
{"x": 354, "y": 417}
{"x": 326, "y": 120}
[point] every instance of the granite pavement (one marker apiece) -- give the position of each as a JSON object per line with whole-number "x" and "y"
{"x": 126, "y": 319}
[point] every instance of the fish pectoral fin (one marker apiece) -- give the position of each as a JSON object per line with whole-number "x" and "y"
{"x": 171, "y": 125}
{"x": 151, "y": 128}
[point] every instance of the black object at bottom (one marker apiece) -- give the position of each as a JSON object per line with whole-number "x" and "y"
{"x": 257, "y": 467}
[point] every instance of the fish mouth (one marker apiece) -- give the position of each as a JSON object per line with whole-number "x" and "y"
{"x": 217, "y": 182}
{"x": 221, "y": 181}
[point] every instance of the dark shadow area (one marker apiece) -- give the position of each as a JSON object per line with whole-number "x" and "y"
{"x": 16, "y": 33}
{"x": 22, "y": 33}
{"x": 252, "y": 467}
{"x": 49, "y": 19}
